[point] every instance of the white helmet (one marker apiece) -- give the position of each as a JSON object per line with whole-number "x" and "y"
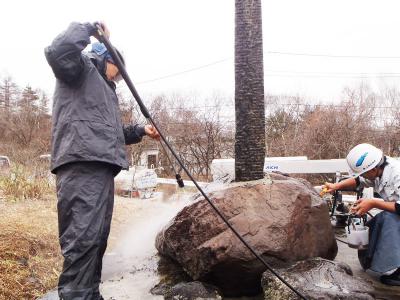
{"x": 364, "y": 157}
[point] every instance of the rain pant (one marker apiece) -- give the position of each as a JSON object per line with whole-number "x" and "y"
{"x": 85, "y": 193}
{"x": 383, "y": 252}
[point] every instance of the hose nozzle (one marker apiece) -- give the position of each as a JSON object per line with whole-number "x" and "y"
{"x": 179, "y": 180}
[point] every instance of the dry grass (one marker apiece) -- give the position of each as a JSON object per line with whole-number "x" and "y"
{"x": 26, "y": 183}
{"x": 30, "y": 258}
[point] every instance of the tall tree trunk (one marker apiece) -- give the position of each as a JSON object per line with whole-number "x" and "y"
{"x": 249, "y": 91}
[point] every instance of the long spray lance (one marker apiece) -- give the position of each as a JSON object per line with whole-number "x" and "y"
{"x": 147, "y": 115}
{"x": 177, "y": 175}
{"x": 135, "y": 94}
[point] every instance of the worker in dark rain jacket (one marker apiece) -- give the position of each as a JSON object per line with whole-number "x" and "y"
{"x": 88, "y": 150}
{"x": 370, "y": 168}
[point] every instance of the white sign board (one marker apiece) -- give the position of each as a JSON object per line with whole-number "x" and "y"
{"x": 289, "y": 165}
{"x": 307, "y": 166}
{"x": 145, "y": 179}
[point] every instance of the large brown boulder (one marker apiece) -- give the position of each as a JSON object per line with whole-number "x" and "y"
{"x": 282, "y": 218}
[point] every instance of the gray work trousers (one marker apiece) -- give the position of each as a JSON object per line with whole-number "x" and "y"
{"x": 85, "y": 192}
{"x": 384, "y": 242}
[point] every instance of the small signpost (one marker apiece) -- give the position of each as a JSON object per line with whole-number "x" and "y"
{"x": 145, "y": 182}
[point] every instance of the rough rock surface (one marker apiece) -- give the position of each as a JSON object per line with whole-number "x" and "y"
{"x": 317, "y": 279}
{"x": 282, "y": 218}
{"x": 194, "y": 290}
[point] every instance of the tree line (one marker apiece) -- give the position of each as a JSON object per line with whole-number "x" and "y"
{"x": 24, "y": 121}
{"x": 201, "y": 133}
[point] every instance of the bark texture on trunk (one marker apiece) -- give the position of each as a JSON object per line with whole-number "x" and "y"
{"x": 249, "y": 91}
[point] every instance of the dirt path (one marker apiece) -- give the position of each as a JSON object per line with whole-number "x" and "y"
{"x": 130, "y": 265}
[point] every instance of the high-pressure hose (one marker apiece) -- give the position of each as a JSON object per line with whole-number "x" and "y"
{"x": 146, "y": 114}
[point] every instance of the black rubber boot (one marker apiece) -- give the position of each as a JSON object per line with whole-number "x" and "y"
{"x": 392, "y": 279}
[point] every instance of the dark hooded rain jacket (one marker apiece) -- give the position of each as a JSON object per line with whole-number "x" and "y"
{"x": 86, "y": 122}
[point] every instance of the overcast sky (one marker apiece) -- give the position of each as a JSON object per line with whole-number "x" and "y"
{"x": 311, "y": 47}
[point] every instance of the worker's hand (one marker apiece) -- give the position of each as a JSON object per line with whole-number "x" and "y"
{"x": 151, "y": 132}
{"x": 103, "y": 27}
{"x": 329, "y": 187}
{"x": 362, "y": 206}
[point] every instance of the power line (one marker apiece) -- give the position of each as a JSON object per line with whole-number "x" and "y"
{"x": 185, "y": 71}
{"x": 201, "y": 107}
{"x": 376, "y": 118}
{"x": 304, "y": 74}
{"x": 307, "y": 74}
{"x": 330, "y": 105}
{"x": 332, "y": 76}
{"x": 332, "y": 55}
{"x": 334, "y": 73}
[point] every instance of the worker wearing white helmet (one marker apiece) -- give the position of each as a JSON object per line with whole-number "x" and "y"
{"x": 369, "y": 167}
{"x": 363, "y": 158}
